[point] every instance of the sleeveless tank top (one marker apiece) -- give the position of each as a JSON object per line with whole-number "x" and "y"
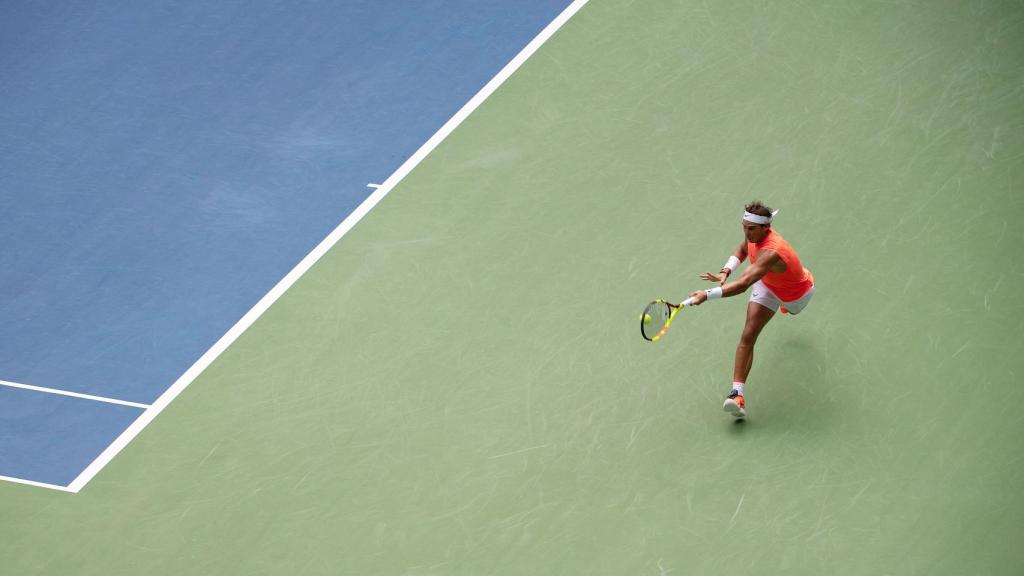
{"x": 795, "y": 281}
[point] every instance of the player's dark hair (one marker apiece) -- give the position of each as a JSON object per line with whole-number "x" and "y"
{"x": 756, "y": 207}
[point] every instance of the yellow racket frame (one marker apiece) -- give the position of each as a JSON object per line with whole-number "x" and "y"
{"x": 672, "y": 316}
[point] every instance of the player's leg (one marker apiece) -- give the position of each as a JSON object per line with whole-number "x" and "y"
{"x": 761, "y": 308}
{"x": 757, "y": 317}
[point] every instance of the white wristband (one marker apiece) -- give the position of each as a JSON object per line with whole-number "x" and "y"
{"x": 732, "y": 263}
{"x": 714, "y": 293}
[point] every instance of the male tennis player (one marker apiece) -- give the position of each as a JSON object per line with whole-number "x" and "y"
{"x": 780, "y": 282}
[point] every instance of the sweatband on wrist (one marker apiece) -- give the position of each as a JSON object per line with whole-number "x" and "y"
{"x": 714, "y": 293}
{"x": 732, "y": 263}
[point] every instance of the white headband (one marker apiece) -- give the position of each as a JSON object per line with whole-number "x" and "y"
{"x": 757, "y": 218}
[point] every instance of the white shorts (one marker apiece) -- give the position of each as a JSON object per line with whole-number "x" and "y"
{"x": 765, "y": 297}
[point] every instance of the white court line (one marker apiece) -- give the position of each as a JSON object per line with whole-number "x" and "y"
{"x": 253, "y": 314}
{"x": 72, "y": 394}
{"x": 37, "y": 484}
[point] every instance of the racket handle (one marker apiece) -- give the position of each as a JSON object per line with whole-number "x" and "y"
{"x": 687, "y": 302}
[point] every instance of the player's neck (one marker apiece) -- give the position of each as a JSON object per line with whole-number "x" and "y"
{"x": 764, "y": 238}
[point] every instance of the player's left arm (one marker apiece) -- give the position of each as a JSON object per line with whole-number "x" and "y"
{"x": 765, "y": 261}
{"x": 738, "y": 255}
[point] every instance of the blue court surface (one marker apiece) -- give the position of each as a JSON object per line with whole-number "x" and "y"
{"x": 52, "y": 438}
{"x": 164, "y": 164}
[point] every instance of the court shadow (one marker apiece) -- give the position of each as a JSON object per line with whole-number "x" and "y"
{"x": 789, "y": 389}
{"x": 739, "y": 426}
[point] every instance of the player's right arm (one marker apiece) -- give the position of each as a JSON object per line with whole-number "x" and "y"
{"x": 765, "y": 260}
{"x": 740, "y": 253}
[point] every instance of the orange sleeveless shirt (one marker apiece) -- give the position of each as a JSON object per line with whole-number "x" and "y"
{"x": 795, "y": 281}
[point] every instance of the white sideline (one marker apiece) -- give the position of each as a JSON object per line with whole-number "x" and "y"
{"x": 253, "y": 314}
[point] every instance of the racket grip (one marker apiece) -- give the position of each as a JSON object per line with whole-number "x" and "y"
{"x": 687, "y": 302}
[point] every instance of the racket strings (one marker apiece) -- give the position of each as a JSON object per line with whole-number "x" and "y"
{"x": 655, "y": 316}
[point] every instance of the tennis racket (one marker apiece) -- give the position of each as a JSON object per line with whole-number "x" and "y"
{"x": 658, "y": 317}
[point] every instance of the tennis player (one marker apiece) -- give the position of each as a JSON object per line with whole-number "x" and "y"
{"x": 780, "y": 282}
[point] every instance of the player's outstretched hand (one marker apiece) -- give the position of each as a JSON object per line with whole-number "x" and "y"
{"x": 699, "y": 297}
{"x": 720, "y": 277}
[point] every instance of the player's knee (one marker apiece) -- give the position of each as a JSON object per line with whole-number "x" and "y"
{"x": 749, "y": 337}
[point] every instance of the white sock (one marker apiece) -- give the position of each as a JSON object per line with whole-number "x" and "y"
{"x": 738, "y": 386}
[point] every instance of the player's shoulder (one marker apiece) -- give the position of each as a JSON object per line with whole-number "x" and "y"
{"x": 775, "y": 239}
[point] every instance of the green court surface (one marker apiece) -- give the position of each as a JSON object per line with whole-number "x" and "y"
{"x": 459, "y": 386}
